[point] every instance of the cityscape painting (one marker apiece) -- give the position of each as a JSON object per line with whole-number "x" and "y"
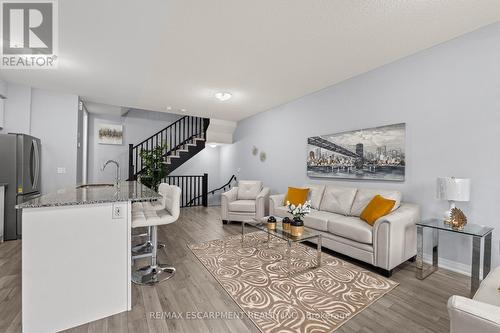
{"x": 376, "y": 153}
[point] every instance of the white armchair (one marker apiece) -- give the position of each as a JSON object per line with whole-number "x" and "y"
{"x": 245, "y": 201}
{"x": 482, "y": 312}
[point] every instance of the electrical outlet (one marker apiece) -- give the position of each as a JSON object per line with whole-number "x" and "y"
{"x": 117, "y": 212}
{"x": 61, "y": 170}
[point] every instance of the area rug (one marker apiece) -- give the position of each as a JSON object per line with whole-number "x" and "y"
{"x": 254, "y": 274}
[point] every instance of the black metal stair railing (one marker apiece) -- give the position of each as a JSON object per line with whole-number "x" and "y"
{"x": 194, "y": 189}
{"x": 195, "y": 200}
{"x": 175, "y": 137}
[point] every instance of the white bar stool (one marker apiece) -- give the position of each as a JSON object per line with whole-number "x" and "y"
{"x": 144, "y": 249}
{"x": 155, "y": 272}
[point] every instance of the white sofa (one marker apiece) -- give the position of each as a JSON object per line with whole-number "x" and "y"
{"x": 335, "y": 213}
{"x": 482, "y": 312}
{"x": 247, "y": 200}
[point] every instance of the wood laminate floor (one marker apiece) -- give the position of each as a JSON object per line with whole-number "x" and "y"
{"x": 414, "y": 306}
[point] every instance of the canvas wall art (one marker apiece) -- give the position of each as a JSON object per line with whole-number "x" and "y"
{"x": 110, "y": 134}
{"x": 376, "y": 153}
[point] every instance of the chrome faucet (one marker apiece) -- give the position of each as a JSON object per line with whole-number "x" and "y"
{"x": 117, "y": 180}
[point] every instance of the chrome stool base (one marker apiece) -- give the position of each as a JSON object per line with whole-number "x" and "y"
{"x": 145, "y": 248}
{"x": 142, "y": 248}
{"x": 151, "y": 275}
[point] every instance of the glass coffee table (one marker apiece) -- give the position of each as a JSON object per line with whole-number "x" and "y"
{"x": 478, "y": 234}
{"x": 308, "y": 234}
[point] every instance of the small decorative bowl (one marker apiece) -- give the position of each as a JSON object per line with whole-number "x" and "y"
{"x": 271, "y": 223}
{"x": 286, "y": 224}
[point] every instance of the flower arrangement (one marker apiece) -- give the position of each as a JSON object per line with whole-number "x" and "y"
{"x": 300, "y": 210}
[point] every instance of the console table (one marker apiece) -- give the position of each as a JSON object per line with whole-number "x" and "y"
{"x": 476, "y": 231}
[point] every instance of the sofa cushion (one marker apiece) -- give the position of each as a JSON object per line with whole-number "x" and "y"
{"x": 350, "y": 227}
{"x": 242, "y": 206}
{"x": 315, "y": 195}
{"x": 281, "y": 211}
{"x": 338, "y": 199}
{"x": 249, "y": 189}
{"x": 364, "y": 196}
{"x": 378, "y": 207}
{"x": 296, "y": 196}
{"x": 317, "y": 219}
{"x": 488, "y": 291}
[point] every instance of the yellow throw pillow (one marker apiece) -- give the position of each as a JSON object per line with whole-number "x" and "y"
{"x": 296, "y": 196}
{"x": 378, "y": 207}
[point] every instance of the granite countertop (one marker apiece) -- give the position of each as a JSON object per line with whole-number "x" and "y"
{"x": 77, "y": 195}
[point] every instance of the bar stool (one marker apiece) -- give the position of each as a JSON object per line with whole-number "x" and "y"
{"x": 144, "y": 249}
{"x": 156, "y": 272}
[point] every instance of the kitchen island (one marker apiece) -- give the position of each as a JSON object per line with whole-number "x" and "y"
{"x": 2, "y": 209}
{"x": 76, "y": 260}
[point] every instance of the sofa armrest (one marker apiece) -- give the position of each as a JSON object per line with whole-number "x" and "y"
{"x": 395, "y": 236}
{"x": 275, "y": 200}
{"x": 468, "y": 315}
{"x": 225, "y": 199}
{"x": 261, "y": 203}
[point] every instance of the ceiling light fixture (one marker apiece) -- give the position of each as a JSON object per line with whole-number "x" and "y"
{"x": 223, "y": 96}
{"x": 212, "y": 145}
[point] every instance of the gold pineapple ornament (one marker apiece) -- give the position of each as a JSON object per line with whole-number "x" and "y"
{"x": 458, "y": 220}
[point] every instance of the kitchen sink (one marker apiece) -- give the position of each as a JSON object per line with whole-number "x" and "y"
{"x": 94, "y": 185}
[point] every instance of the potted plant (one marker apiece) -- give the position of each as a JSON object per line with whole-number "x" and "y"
{"x": 298, "y": 212}
{"x": 154, "y": 167}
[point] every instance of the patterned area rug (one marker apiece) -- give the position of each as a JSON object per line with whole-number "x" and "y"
{"x": 312, "y": 299}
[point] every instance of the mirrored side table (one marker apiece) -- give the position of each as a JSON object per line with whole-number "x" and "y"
{"x": 478, "y": 234}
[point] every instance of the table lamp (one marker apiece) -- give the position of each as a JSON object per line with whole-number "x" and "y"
{"x": 453, "y": 189}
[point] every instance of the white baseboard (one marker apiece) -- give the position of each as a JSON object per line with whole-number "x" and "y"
{"x": 451, "y": 265}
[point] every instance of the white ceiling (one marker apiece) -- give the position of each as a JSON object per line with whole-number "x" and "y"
{"x": 158, "y": 53}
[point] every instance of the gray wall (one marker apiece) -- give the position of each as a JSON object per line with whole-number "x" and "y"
{"x": 137, "y": 126}
{"x": 17, "y": 109}
{"x": 54, "y": 121}
{"x": 206, "y": 161}
{"x": 449, "y": 98}
{"x": 52, "y": 117}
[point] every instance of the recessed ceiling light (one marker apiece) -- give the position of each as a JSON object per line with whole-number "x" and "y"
{"x": 212, "y": 145}
{"x": 183, "y": 110}
{"x": 223, "y": 96}
{"x": 169, "y": 108}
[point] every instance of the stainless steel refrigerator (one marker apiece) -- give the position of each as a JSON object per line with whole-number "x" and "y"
{"x": 20, "y": 168}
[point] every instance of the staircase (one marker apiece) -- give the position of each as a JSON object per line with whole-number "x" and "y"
{"x": 227, "y": 186}
{"x": 183, "y": 139}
